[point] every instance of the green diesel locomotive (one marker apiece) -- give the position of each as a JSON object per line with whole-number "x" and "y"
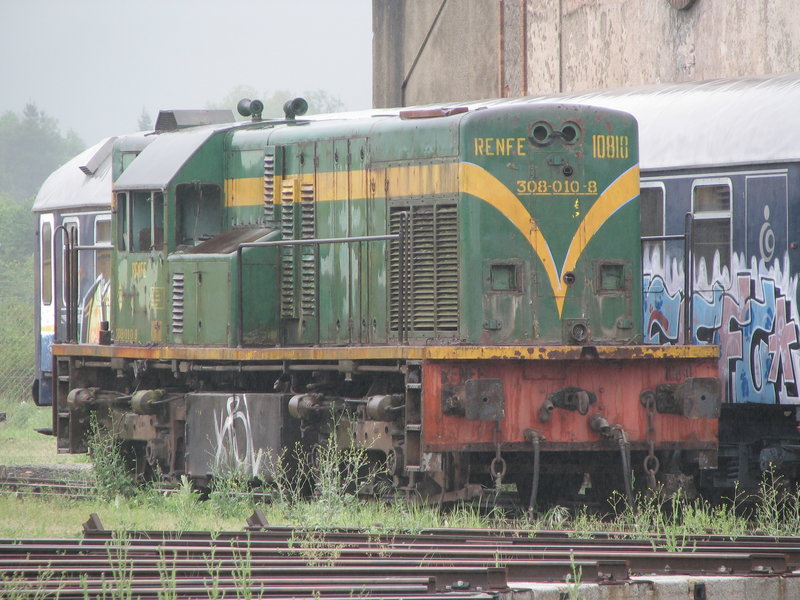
{"x": 457, "y": 290}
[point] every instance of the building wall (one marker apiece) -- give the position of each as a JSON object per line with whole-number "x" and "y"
{"x": 442, "y": 55}
{"x": 448, "y": 50}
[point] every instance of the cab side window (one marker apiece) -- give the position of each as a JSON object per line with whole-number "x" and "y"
{"x": 198, "y": 213}
{"x": 102, "y": 257}
{"x": 140, "y": 218}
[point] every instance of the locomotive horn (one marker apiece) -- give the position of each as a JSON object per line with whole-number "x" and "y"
{"x": 247, "y": 107}
{"x": 295, "y": 108}
{"x": 244, "y": 107}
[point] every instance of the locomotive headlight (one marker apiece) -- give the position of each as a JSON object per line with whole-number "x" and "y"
{"x": 570, "y": 132}
{"x": 579, "y": 332}
{"x": 540, "y": 133}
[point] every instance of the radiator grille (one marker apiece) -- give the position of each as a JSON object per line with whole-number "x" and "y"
{"x": 269, "y": 185}
{"x": 288, "y": 253}
{"x": 432, "y": 279}
{"x": 308, "y": 258}
{"x": 177, "y": 302}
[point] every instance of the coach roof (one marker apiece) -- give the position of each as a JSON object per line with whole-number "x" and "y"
{"x": 718, "y": 122}
{"x": 83, "y": 182}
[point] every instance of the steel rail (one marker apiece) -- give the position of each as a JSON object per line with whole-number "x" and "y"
{"x": 278, "y": 562}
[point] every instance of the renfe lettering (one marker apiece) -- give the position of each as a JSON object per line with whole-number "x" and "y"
{"x": 510, "y": 146}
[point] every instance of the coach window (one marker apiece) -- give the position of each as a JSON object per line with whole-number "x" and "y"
{"x": 47, "y": 263}
{"x": 711, "y": 207}
{"x": 199, "y": 213}
{"x": 102, "y": 237}
{"x": 652, "y": 217}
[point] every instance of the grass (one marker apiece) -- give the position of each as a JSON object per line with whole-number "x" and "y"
{"x": 20, "y": 444}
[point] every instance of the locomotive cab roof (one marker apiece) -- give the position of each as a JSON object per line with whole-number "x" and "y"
{"x": 157, "y": 164}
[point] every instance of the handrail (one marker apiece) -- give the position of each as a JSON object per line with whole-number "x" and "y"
{"x": 688, "y": 277}
{"x": 69, "y": 284}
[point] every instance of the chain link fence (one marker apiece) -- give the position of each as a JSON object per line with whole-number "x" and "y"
{"x": 17, "y": 344}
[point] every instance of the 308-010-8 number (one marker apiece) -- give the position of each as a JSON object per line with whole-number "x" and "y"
{"x": 531, "y": 187}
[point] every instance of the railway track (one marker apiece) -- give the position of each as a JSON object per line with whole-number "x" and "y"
{"x": 46, "y": 486}
{"x": 47, "y": 480}
{"x": 81, "y": 488}
{"x": 281, "y": 562}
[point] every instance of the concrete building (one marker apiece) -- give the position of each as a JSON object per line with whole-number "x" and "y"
{"x": 449, "y": 50}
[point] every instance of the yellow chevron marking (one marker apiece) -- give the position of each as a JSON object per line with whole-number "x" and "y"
{"x": 480, "y": 183}
{"x": 615, "y": 196}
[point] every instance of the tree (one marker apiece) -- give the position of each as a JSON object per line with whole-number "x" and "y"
{"x": 320, "y": 101}
{"x": 16, "y": 230}
{"x": 145, "y": 122}
{"x": 31, "y": 147}
{"x": 231, "y": 99}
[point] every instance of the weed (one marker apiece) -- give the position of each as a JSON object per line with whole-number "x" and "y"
{"x": 111, "y": 476}
{"x": 777, "y": 508}
{"x": 211, "y": 583}
{"x": 313, "y": 546}
{"x": 326, "y": 483}
{"x": 584, "y": 523}
{"x": 242, "y": 572}
{"x": 18, "y": 587}
{"x": 167, "y": 574}
{"x": 232, "y": 494}
{"x": 121, "y": 585}
{"x": 556, "y": 517}
{"x": 184, "y": 503}
{"x": 574, "y": 579}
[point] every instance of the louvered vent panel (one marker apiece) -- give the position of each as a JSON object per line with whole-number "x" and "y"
{"x": 288, "y": 277}
{"x": 177, "y": 302}
{"x": 432, "y": 281}
{"x": 269, "y": 186}
{"x": 308, "y": 261}
{"x": 446, "y": 268}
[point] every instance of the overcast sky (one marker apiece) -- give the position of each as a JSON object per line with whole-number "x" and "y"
{"x": 95, "y": 64}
